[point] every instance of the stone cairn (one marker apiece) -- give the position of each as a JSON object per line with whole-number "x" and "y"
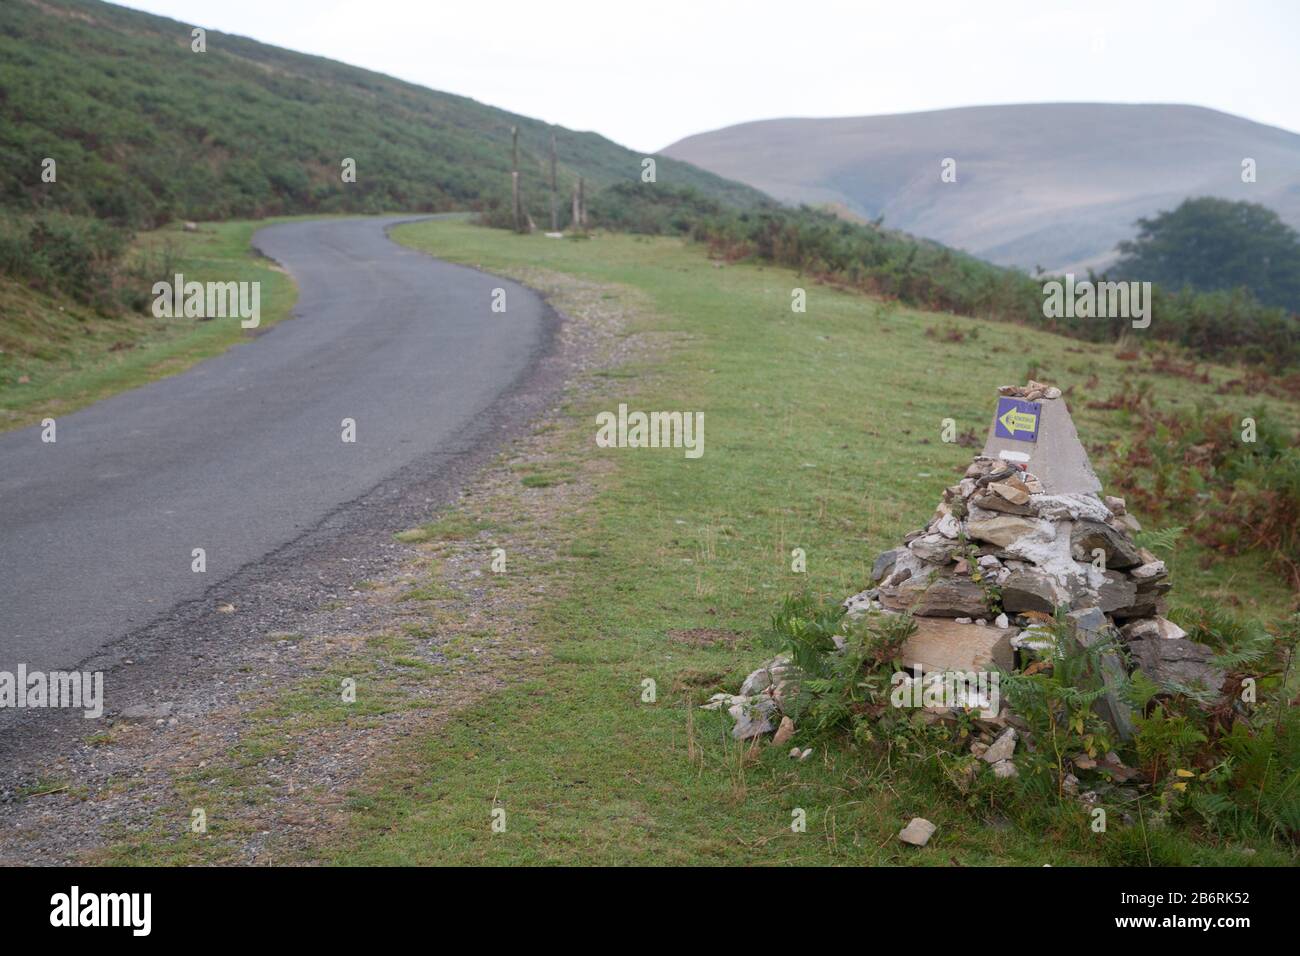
{"x": 1026, "y": 530}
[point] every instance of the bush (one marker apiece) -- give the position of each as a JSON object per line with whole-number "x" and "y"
{"x": 81, "y": 257}
{"x": 1193, "y": 466}
{"x": 54, "y": 251}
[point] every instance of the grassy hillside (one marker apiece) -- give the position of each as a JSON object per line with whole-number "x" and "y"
{"x": 144, "y": 130}
{"x": 1055, "y": 185}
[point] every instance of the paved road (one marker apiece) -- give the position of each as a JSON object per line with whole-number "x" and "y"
{"x": 243, "y": 453}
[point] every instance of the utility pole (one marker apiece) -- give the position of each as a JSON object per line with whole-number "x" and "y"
{"x": 555, "y": 199}
{"x": 514, "y": 176}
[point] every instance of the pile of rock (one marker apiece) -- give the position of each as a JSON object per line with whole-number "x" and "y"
{"x": 1023, "y": 533}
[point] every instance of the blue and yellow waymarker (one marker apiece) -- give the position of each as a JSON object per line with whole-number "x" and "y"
{"x": 1016, "y": 419}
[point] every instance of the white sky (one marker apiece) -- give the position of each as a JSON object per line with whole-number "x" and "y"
{"x": 647, "y": 72}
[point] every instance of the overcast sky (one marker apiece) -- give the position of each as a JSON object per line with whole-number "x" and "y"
{"x": 648, "y": 72}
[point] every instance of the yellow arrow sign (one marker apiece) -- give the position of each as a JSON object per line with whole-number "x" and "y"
{"x": 1014, "y": 421}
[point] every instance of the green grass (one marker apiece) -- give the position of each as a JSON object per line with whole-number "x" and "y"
{"x": 144, "y": 129}
{"x": 450, "y": 527}
{"x": 56, "y": 357}
{"x": 822, "y": 432}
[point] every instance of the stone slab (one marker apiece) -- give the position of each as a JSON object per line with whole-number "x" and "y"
{"x": 943, "y": 645}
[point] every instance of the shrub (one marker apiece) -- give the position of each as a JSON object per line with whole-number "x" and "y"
{"x": 1192, "y": 465}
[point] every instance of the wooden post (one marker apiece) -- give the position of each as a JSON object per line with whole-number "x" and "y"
{"x": 555, "y": 199}
{"x": 576, "y": 215}
{"x": 582, "y": 205}
{"x": 514, "y": 177}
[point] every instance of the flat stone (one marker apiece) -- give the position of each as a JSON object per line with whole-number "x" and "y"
{"x": 1169, "y": 631}
{"x": 1156, "y": 628}
{"x": 998, "y": 503}
{"x": 951, "y": 597}
{"x": 752, "y": 717}
{"x": 764, "y": 677}
{"x": 718, "y": 701}
{"x": 1030, "y": 589}
{"x": 759, "y": 680}
{"x": 1151, "y": 571}
{"x": 1125, "y": 522}
{"x": 1001, "y": 530}
{"x": 884, "y": 563}
{"x": 917, "y": 832}
{"x": 1087, "y": 627}
{"x": 939, "y": 645}
{"x": 1116, "y": 592}
{"x": 934, "y": 548}
{"x": 1149, "y": 601}
{"x": 1011, "y": 490}
{"x": 1177, "y": 661}
{"x": 1139, "y": 629}
{"x": 1070, "y": 507}
{"x": 1002, "y": 748}
{"x": 948, "y": 526}
{"x": 1087, "y": 536}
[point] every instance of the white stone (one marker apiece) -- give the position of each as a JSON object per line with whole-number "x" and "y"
{"x": 1152, "y": 569}
{"x": 1002, "y": 748}
{"x": 917, "y": 832}
{"x": 752, "y": 718}
{"x": 1169, "y": 631}
{"x": 718, "y": 701}
{"x": 948, "y": 526}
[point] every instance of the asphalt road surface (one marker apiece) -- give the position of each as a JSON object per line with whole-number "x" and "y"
{"x": 244, "y": 452}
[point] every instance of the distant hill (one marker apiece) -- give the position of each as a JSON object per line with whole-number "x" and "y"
{"x": 144, "y": 130}
{"x": 1052, "y": 185}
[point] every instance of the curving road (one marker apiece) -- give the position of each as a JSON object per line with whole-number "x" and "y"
{"x": 243, "y": 453}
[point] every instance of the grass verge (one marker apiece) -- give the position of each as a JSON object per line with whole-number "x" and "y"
{"x": 822, "y": 433}
{"x": 57, "y": 356}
